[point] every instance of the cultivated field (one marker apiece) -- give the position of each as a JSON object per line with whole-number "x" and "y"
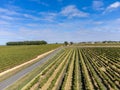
{"x": 76, "y": 68}
{"x": 11, "y": 56}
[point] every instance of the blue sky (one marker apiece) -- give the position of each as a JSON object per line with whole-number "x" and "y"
{"x": 59, "y": 20}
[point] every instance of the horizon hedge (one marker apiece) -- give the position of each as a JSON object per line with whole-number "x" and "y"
{"x": 27, "y": 43}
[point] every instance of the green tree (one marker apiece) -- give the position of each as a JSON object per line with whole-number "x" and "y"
{"x": 66, "y": 43}
{"x": 71, "y": 43}
{"x": 27, "y": 43}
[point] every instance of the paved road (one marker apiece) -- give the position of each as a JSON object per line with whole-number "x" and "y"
{"x": 6, "y": 83}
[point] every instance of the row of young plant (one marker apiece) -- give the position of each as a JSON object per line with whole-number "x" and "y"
{"x": 65, "y": 77}
{"x": 51, "y": 84}
{"x": 93, "y": 72}
{"x": 113, "y": 53}
{"x": 112, "y": 68}
{"x": 78, "y": 69}
{"x": 43, "y": 77}
{"x": 81, "y": 78}
{"x": 76, "y": 77}
{"x": 55, "y": 84}
{"x": 67, "y": 81}
{"x": 49, "y": 71}
{"x": 85, "y": 70}
{"x": 43, "y": 70}
{"x": 106, "y": 77}
{"x": 77, "y": 85}
{"x": 110, "y": 54}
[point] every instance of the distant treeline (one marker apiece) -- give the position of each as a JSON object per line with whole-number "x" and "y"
{"x": 27, "y": 43}
{"x": 98, "y": 42}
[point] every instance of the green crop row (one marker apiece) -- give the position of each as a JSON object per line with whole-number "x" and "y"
{"x": 48, "y": 71}
{"x": 80, "y": 69}
{"x": 102, "y": 69}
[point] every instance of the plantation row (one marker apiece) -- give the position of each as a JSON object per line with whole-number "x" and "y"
{"x": 80, "y": 69}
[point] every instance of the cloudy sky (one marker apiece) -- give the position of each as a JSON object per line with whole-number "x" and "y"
{"x": 59, "y": 20}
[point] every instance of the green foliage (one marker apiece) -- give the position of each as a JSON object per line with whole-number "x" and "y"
{"x": 11, "y": 56}
{"x": 66, "y": 43}
{"x": 27, "y": 43}
{"x": 71, "y": 43}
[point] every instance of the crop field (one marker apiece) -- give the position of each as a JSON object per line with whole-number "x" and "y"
{"x": 11, "y": 56}
{"x": 77, "y": 68}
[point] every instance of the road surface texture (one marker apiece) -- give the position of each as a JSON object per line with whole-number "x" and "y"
{"x": 6, "y": 83}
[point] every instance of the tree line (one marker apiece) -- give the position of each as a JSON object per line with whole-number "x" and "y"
{"x": 27, "y": 43}
{"x": 100, "y": 42}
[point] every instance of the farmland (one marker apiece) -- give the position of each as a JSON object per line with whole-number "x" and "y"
{"x": 78, "y": 68}
{"x": 11, "y": 56}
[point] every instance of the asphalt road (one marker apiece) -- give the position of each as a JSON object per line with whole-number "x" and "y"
{"x": 6, "y": 83}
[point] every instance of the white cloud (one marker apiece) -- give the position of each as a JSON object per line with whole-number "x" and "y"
{"x": 43, "y": 16}
{"x": 48, "y": 16}
{"x": 98, "y": 5}
{"x": 30, "y": 17}
{"x": 8, "y": 12}
{"x": 5, "y": 33}
{"x": 112, "y": 7}
{"x": 14, "y": 14}
{"x": 118, "y": 19}
{"x": 6, "y": 17}
{"x": 64, "y": 31}
{"x": 98, "y": 22}
{"x": 3, "y": 22}
{"x": 72, "y": 11}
